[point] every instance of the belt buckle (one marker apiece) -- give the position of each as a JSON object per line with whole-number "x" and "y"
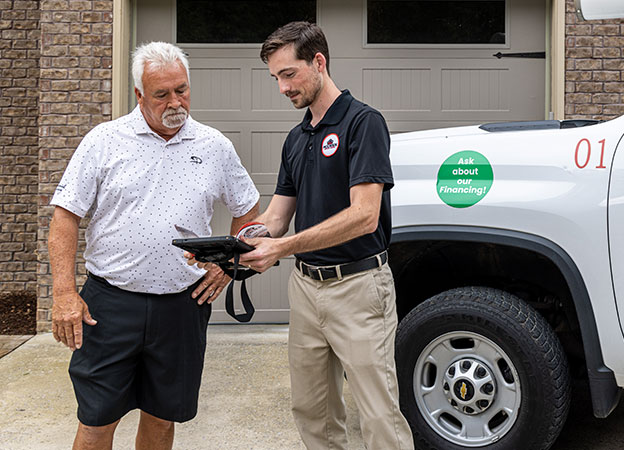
{"x": 336, "y": 269}
{"x": 309, "y": 271}
{"x": 315, "y": 270}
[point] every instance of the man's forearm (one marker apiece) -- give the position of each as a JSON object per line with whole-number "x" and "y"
{"x": 360, "y": 218}
{"x": 347, "y": 225}
{"x": 276, "y": 227}
{"x": 278, "y": 215}
{"x": 62, "y": 247}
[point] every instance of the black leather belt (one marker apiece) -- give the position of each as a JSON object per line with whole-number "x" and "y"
{"x": 341, "y": 270}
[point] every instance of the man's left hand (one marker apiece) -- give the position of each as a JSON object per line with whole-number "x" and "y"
{"x": 213, "y": 283}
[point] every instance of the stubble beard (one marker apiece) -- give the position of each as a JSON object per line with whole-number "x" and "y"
{"x": 307, "y": 100}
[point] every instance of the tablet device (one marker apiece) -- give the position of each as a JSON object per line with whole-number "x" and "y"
{"x": 215, "y": 249}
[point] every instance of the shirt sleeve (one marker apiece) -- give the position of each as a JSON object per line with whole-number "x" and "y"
{"x": 285, "y": 185}
{"x": 77, "y": 189}
{"x": 369, "y": 151}
{"x": 239, "y": 194}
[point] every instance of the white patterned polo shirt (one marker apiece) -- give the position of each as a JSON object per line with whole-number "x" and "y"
{"x": 136, "y": 186}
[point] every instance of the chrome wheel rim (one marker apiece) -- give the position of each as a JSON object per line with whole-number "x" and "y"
{"x": 467, "y": 389}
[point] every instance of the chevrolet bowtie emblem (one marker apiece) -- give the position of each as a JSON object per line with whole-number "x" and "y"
{"x": 463, "y": 390}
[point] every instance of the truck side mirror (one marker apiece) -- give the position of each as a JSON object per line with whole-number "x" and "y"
{"x": 599, "y": 9}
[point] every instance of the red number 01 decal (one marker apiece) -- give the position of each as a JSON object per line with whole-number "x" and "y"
{"x": 582, "y": 154}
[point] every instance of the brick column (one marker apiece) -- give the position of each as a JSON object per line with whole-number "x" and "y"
{"x": 19, "y": 67}
{"x": 594, "y": 67}
{"x": 76, "y": 55}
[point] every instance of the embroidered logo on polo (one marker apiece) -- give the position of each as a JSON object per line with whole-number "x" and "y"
{"x": 330, "y": 145}
{"x": 196, "y": 159}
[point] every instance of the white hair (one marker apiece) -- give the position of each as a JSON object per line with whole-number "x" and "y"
{"x": 159, "y": 55}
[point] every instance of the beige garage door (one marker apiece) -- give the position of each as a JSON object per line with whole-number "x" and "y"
{"x": 418, "y": 73}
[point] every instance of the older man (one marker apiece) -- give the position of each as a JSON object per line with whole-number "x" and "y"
{"x": 145, "y": 310}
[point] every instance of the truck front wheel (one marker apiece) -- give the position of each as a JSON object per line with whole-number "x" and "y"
{"x": 478, "y": 367}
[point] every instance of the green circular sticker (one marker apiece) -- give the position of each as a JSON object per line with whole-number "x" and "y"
{"x": 464, "y": 179}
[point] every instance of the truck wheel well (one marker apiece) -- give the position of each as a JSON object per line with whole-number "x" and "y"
{"x": 425, "y": 268}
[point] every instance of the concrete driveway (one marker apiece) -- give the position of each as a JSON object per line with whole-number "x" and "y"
{"x": 244, "y": 398}
{"x": 244, "y": 401}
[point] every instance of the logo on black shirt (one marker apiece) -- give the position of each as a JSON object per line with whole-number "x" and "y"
{"x": 196, "y": 159}
{"x": 330, "y": 144}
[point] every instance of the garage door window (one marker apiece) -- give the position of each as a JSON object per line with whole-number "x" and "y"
{"x": 236, "y": 21}
{"x": 436, "y": 22}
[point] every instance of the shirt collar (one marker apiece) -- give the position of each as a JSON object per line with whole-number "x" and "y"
{"x": 334, "y": 114}
{"x": 140, "y": 126}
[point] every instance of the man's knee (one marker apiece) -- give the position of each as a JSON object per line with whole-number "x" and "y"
{"x": 154, "y": 433}
{"x": 156, "y": 424}
{"x": 89, "y": 437}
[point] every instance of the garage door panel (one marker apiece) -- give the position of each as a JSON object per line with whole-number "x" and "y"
{"x": 245, "y": 82}
{"x": 217, "y": 89}
{"x": 268, "y": 292}
{"x": 397, "y": 89}
{"x": 447, "y": 90}
{"x": 475, "y": 89}
{"x": 214, "y": 116}
{"x": 234, "y": 136}
{"x": 415, "y": 86}
{"x": 265, "y": 151}
{"x": 258, "y": 144}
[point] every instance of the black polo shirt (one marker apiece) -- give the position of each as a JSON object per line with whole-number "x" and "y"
{"x": 349, "y": 146}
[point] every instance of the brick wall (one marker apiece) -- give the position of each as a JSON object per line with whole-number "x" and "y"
{"x": 19, "y": 67}
{"x": 594, "y": 67}
{"x": 75, "y": 83}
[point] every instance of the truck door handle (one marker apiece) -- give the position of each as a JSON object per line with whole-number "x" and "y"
{"x": 535, "y": 55}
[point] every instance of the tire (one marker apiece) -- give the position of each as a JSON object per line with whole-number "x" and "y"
{"x": 480, "y": 368}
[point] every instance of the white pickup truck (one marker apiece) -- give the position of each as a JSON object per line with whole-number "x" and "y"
{"x": 508, "y": 257}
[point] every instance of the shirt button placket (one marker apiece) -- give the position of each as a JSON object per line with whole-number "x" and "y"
{"x": 311, "y": 147}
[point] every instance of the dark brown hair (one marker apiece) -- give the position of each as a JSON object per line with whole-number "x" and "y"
{"x": 308, "y": 40}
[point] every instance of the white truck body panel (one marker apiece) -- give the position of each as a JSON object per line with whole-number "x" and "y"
{"x": 553, "y": 183}
{"x": 599, "y": 9}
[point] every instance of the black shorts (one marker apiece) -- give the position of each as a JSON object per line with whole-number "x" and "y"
{"x": 146, "y": 351}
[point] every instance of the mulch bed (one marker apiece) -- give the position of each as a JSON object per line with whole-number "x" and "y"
{"x": 18, "y": 312}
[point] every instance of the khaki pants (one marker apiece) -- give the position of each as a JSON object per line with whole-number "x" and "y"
{"x": 345, "y": 325}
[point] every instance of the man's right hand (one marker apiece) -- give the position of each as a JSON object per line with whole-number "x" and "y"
{"x": 68, "y": 312}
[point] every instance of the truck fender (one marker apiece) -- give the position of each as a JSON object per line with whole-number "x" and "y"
{"x": 605, "y": 392}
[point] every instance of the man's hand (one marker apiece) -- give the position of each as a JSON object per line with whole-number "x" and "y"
{"x": 266, "y": 253}
{"x": 68, "y": 312}
{"x": 213, "y": 283}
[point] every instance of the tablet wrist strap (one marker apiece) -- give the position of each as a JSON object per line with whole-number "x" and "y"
{"x": 229, "y": 296}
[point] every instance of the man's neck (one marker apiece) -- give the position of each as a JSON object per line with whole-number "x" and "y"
{"x": 323, "y": 102}
{"x": 167, "y": 135}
